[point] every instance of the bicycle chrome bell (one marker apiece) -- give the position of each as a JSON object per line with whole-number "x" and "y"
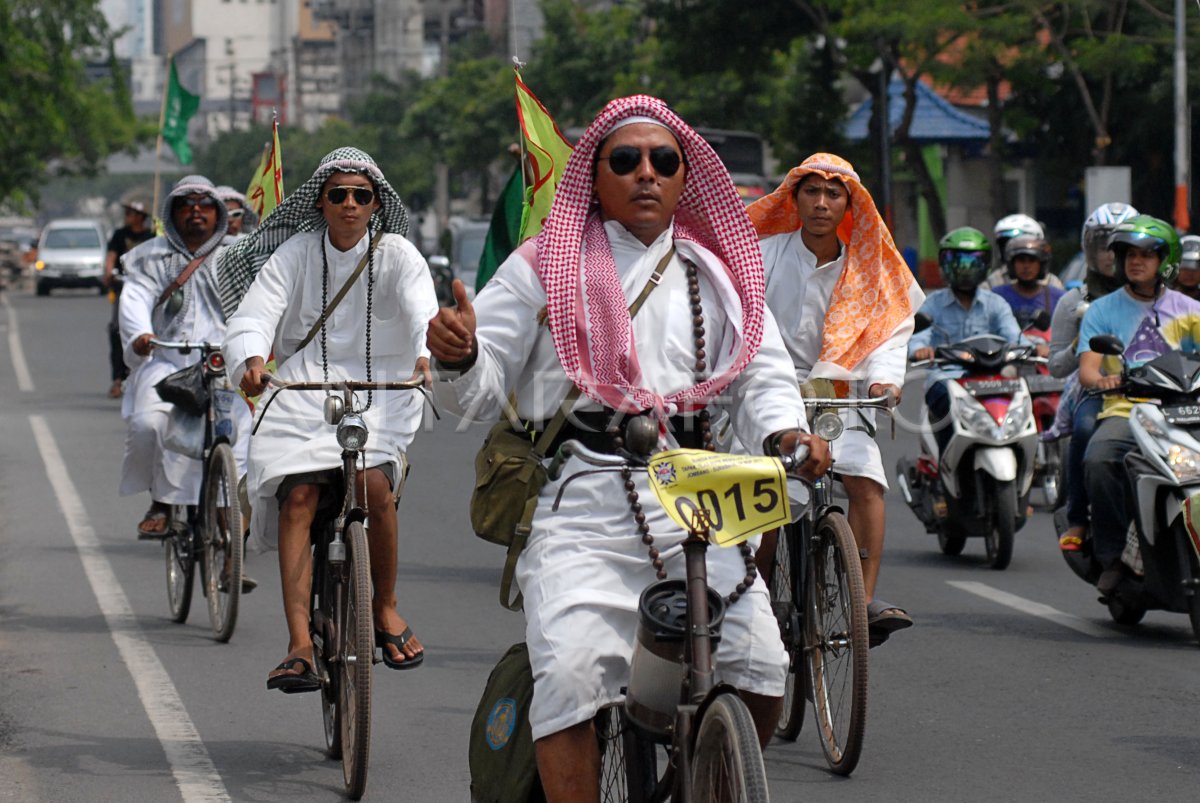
{"x": 335, "y": 408}
{"x": 641, "y": 435}
{"x": 658, "y": 666}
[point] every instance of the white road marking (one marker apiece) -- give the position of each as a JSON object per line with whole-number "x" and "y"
{"x": 20, "y": 367}
{"x": 1032, "y": 608}
{"x": 194, "y": 772}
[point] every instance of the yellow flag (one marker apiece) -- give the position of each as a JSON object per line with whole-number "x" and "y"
{"x": 547, "y": 151}
{"x": 266, "y": 188}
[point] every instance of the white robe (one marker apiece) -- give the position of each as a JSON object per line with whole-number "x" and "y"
{"x": 170, "y": 477}
{"x": 584, "y": 566}
{"x": 794, "y": 276}
{"x": 277, "y": 312}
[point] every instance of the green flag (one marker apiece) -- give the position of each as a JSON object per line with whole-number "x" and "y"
{"x": 178, "y": 107}
{"x": 504, "y": 233}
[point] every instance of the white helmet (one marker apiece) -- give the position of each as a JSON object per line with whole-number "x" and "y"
{"x": 1191, "y": 252}
{"x": 1010, "y": 226}
{"x": 1094, "y": 237}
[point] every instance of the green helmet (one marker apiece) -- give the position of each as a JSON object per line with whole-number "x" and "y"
{"x": 964, "y": 256}
{"x": 1150, "y": 234}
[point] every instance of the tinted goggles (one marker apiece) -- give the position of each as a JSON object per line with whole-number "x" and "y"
{"x": 362, "y": 195}
{"x": 234, "y": 214}
{"x": 624, "y": 159}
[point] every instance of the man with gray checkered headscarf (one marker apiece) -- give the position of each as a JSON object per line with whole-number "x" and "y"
{"x": 170, "y": 293}
{"x": 344, "y": 227}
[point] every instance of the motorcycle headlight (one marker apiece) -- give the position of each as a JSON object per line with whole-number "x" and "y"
{"x": 1183, "y": 462}
{"x": 352, "y": 432}
{"x": 1149, "y": 424}
{"x": 1016, "y": 419}
{"x": 977, "y": 419}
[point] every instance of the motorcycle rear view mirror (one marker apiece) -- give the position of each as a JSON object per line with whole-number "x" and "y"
{"x": 921, "y": 322}
{"x": 1107, "y": 344}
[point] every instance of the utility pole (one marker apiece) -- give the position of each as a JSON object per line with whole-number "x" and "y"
{"x": 1182, "y": 122}
{"x": 441, "y": 187}
{"x": 232, "y": 79}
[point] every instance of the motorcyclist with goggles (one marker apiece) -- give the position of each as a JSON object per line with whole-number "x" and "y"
{"x": 960, "y": 310}
{"x": 1077, "y": 412}
{"x": 1150, "y": 320}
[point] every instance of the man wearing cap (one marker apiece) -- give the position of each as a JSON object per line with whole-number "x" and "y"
{"x": 641, "y": 191}
{"x": 844, "y": 300}
{"x": 193, "y": 229}
{"x": 344, "y": 227}
{"x": 240, "y": 213}
{"x": 134, "y": 231}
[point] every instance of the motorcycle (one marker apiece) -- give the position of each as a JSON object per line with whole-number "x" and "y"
{"x": 1045, "y": 391}
{"x": 980, "y": 485}
{"x": 1163, "y": 543}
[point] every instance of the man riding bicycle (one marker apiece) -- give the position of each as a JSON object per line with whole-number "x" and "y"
{"x": 641, "y": 191}
{"x": 170, "y": 293}
{"x": 844, "y": 300}
{"x": 342, "y": 228}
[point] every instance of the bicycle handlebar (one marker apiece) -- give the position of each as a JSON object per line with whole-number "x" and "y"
{"x": 184, "y": 346}
{"x": 415, "y": 383}
{"x": 886, "y": 402}
{"x": 574, "y": 448}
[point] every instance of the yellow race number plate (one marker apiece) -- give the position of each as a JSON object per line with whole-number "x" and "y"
{"x": 742, "y": 495}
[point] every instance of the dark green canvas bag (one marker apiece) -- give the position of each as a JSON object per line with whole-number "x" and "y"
{"x": 503, "y": 767}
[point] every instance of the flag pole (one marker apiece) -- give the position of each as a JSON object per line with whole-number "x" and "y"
{"x": 517, "y": 65}
{"x": 162, "y": 119}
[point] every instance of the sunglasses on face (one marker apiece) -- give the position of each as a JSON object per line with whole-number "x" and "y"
{"x": 337, "y": 195}
{"x": 624, "y": 159}
{"x": 188, "y": 203}
{"x": 235, "y": 214}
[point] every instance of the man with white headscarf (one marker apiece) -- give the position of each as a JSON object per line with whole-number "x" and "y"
{"x": 280, "y": 279}
{"x": 194, "y": 228}
{"x": 640, "y": 189}
{"x": 845, "y": 302}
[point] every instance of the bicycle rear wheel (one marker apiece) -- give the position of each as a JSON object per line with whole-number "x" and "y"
{"x": 357, "y": 635}
{"x": 223, "y": 543}
{"x": 727, "y": 764}
{"x": 181, "y": 570}
{"x": 628, "y": 761}
{"x": 784, "y": 585}
{"x": 836, "y": 642}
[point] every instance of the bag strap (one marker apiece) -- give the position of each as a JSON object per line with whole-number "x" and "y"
{"x": 179, "y": 280}
{"x": 525, "y": 525}
{"x": 337, "y": 299}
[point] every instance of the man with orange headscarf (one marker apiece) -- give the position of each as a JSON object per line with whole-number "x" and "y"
{"x": 844, "y": 300}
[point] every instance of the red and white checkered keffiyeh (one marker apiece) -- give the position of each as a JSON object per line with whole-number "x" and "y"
{"x": 585, "y": 304}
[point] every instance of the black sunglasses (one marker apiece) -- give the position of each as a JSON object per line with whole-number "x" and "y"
{"x": 624, "y": 159}
{"x": 234, "y": 214}
{"x": 362, "y": 195}
{"x": 188, "y": 202}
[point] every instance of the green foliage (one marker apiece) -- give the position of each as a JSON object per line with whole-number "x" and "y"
{"x": 56, "y": 117}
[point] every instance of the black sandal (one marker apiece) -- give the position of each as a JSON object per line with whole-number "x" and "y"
{"x": 298, "y": 682}
{"x": 382, "y": 639}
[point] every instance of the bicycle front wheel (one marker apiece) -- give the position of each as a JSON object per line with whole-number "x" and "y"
{"x": 836, "y": 642}
{"x": 357, "y": 634}
{"x": 785, "y": 591}
{"x": 181, "y": 570}
{"x": 628, "y": 761}
{"x": 223, "y": 542}
{"x": 727, "y": 765}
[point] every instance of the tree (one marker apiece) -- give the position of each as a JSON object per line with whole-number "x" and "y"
{"x": 63, "y": 102}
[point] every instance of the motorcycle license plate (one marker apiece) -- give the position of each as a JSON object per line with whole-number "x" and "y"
{"x": 991, "y": 387}
{"x": 1182, "y": 414}
{"x": 1040, "y": 383}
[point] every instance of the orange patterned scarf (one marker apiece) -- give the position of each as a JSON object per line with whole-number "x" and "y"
{"x": 871, "y": 297}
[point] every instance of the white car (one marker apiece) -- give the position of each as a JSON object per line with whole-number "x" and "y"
{"x": 70, "y": 254}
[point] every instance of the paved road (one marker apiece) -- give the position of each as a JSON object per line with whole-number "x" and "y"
{"x": 101, "y": 698}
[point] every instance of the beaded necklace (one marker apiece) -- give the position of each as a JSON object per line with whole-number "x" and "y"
{"x": 703, "y": 418}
